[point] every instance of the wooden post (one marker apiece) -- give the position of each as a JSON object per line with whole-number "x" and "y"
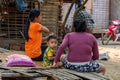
{"x": 0, "y": 76}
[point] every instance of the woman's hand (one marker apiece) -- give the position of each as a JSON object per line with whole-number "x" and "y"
{"x": 57, "y": 65}
{"x": 51, "y": 33}
{"x": 54, "y": 65}
{"x": 45, "y": 38}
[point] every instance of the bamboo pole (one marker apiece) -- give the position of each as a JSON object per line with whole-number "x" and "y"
{"x": 0, "y": 76}
{"x": 77, "y": 10}
{"x": 66, "y": 17}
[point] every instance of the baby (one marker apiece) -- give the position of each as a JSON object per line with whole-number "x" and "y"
{"x": 49, "y": 53}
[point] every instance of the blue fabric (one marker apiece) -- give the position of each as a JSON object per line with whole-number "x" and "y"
{"x": 21, "y": 6}
{"x": 76, "y": 5}
{"x": 81, "y": 0}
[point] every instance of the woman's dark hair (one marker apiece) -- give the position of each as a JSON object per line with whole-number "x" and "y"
{"x": 80, "y": 26}
{"x": 32, "y": 15}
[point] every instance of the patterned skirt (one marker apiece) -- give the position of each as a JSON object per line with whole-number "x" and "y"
{"x": 91, "y": 66}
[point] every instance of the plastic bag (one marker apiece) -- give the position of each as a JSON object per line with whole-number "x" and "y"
{"x": 18, "y": 60}
{"x": 21, "y": 6}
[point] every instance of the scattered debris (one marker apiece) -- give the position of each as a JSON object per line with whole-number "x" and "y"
{"x": 104, "y": 56}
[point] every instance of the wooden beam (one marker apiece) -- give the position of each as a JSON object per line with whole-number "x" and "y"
{"x": 18, "y": 71}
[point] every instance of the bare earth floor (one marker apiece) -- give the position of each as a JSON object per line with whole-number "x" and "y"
{"x": 113, "y": 64}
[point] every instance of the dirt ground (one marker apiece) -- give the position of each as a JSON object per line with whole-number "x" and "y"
{"x": 112, "y": 65}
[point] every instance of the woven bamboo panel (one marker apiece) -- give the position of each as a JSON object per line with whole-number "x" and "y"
{"x": 13, "y": 22}
{"x": 101, "y": 13}
{"x": 115, "y": 9}
{"x": 50, "y": 13}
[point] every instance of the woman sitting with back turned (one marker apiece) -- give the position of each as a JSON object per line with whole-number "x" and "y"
{"x": 82, "y": 51}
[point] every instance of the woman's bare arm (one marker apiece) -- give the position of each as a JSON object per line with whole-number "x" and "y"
{"x": 45, "y": 29}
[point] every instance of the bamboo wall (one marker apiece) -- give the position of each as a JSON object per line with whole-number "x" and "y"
{"x": 65, "y": 7}
{"x": 13, "y": 22}
{"x": 99, "y": 9}
{"x": 89, "y": 5}
{"x": 50, "y": 15}
{"x": 100, "y": 13}
{"x": 115, "y": 9}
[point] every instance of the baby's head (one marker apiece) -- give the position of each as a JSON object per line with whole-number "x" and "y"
{"x": 52, "y": 41}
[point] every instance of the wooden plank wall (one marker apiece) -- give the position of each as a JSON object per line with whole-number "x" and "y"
{"x": 50, "y": 14}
